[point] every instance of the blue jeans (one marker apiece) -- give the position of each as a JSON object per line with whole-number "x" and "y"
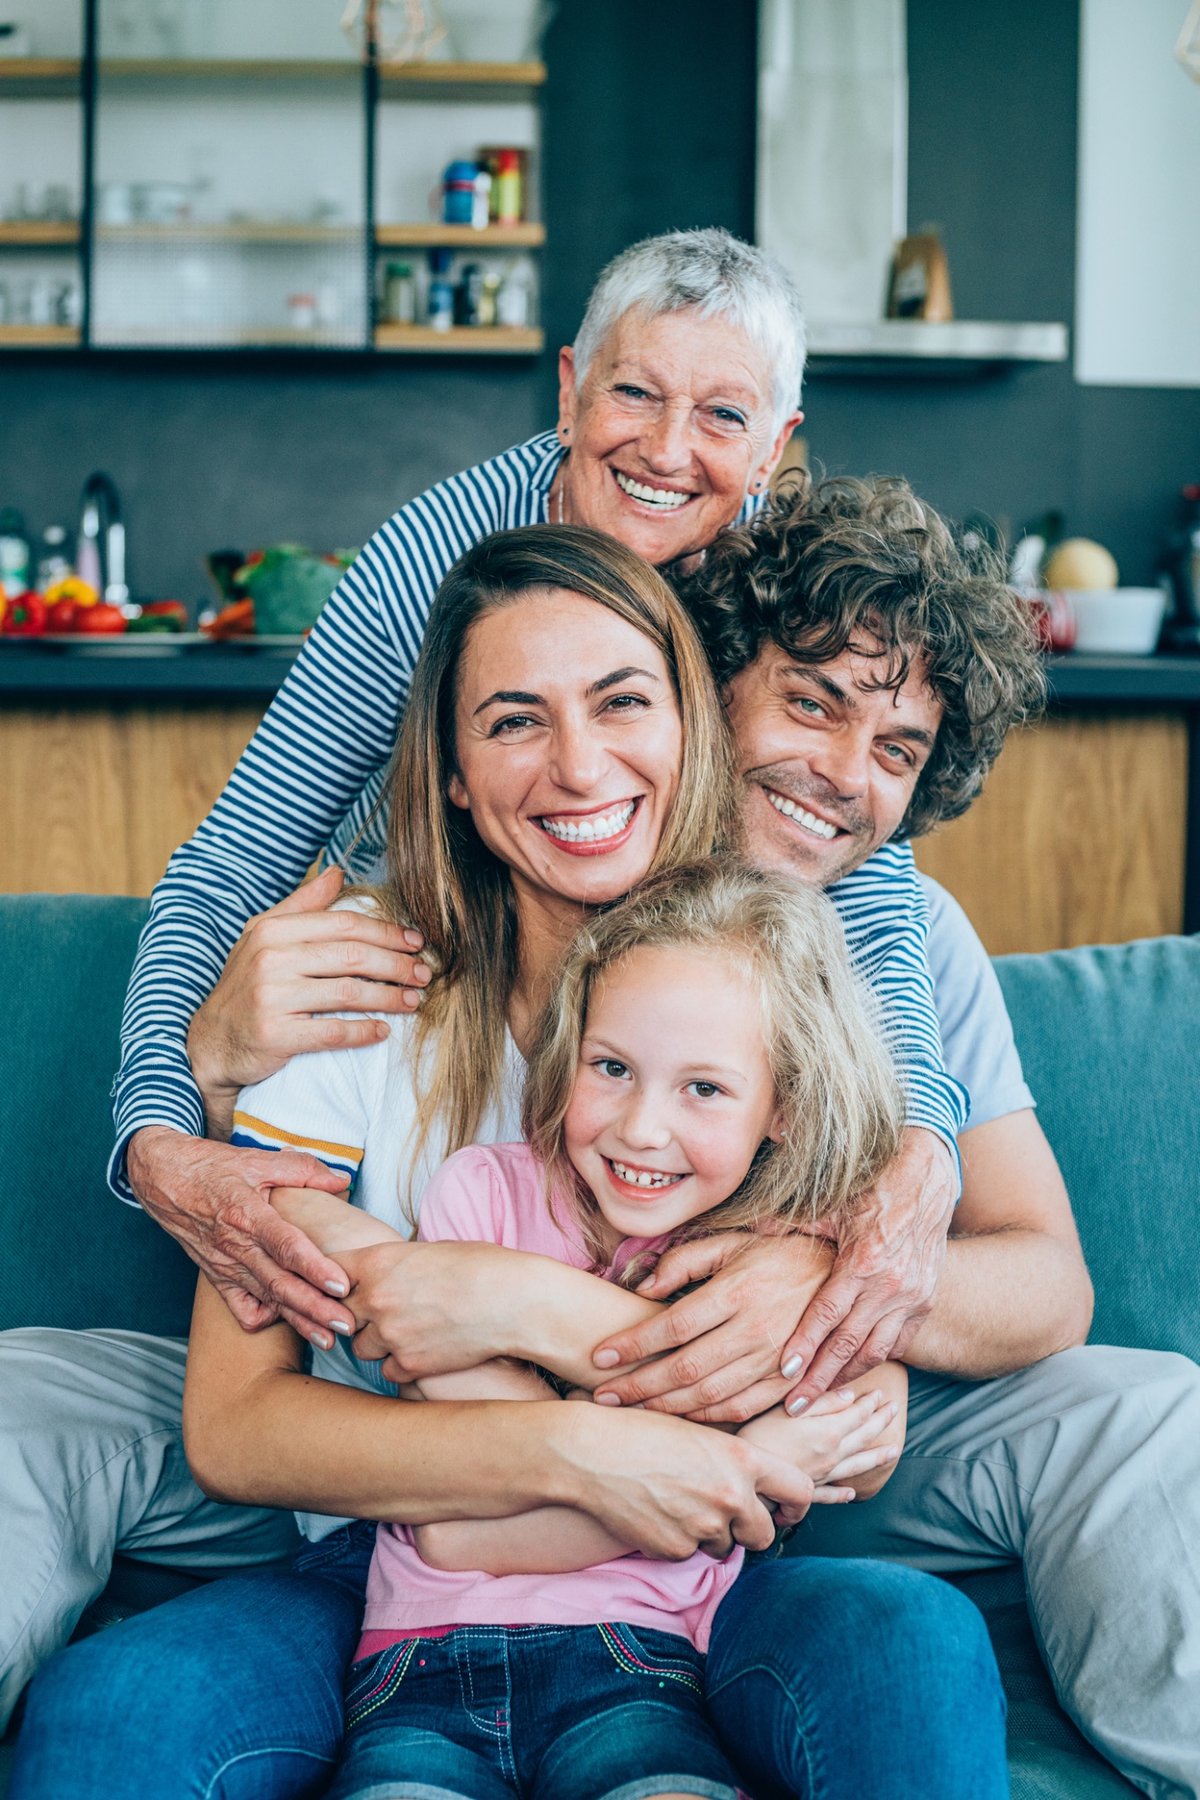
{"x": 828, "y": 1680}
{"x": 532, "y": 1712}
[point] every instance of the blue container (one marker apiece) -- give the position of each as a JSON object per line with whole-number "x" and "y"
{"x": 458, "y": 193}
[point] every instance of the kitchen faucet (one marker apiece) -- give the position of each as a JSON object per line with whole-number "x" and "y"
{"x": 100, "y": 560}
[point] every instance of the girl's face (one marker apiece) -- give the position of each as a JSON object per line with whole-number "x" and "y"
{"x": 569, "y": 744}
{"x": 674, "y": 1093}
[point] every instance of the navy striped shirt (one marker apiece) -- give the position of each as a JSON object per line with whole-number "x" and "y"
{"x": 311, "y": 776}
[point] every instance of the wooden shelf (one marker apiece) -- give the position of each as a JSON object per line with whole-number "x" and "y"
{"x": 219, "y": 337}
{"x": 242, "y": 231}
{"x": 31, "y": 233}
{"x": 491, "y": 340}
{"x": 37, "y": 337}
{"x": 39, "y": 77}
{"x": 526, "y": 236}
{"x": 461, "y": 75}
{"x": 210, "y": 68}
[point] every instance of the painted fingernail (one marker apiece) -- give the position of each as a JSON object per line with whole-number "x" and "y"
{"x": 796, "y": 1407}
{"x": 606, "y": 1399}
{"x": 792, "y": 1367}
{"x": 342, "y": 1329}
{"x": 321, "y": 1340}
{"x": 606, "y": 1359}
{"x": 336, "y": 1288}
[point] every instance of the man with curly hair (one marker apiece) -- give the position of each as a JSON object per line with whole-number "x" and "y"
{"x": 871, "y": 667}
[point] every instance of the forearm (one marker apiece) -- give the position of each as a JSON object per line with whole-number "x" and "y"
{"x": 1006, "y": 1298}
{"x": 564, "y": 1313}
{"x": 548, "y": 1540}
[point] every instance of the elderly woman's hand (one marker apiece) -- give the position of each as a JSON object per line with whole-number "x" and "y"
{"x": 291, "y": 966}
{"x": 213, "y": 1199}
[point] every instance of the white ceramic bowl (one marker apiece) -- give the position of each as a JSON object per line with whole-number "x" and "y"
{"x": 1117, "y": 621}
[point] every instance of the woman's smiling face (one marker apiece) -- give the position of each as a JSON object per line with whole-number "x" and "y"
{"x": 672, "y": 425}
{"x": 569, "y": 743}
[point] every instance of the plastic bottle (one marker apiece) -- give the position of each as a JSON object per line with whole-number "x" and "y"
{"x": 514, "y": 303}
{"x": 399, "y": 295}
{"x": 509, "y": 187}
{"x": 458, "y": 193}
{"x": 15, "y": 552}
{"x": 440, "y": 298}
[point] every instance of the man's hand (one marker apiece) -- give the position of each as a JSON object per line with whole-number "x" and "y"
{"x": 291, "y": 962}
{"x": 890, "y": 1255}
{"x": 212, "y": 1198}
{"x": 433, "y": 1309}
{"x": 719, "y": 1349}
{"x": 668, "y": 1488}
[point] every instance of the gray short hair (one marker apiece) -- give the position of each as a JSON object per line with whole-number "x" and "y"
{"x": 722, "y": 277}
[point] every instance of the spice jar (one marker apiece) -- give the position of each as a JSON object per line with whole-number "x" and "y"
{"x": 399, "y": 295}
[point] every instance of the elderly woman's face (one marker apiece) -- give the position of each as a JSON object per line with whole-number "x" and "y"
{"x": 670, "y": 428}
{"x": 569, "y": 744}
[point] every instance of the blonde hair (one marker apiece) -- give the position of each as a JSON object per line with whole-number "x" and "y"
{"x": 441, "y": 877}
{"x": 835, "y": 1083}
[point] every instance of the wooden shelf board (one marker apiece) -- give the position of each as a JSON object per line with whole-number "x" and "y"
{"x": 233, "y": 337}
{"x": 35, "y": 337}
{"x": 39, "y": 77}
{"x": 243, "y": 231}
{"x": 209, "y": 68}
{"x": 528, "y": 235}
{"x": 29, "y": 233}
{"x": 462, "y": 74}
{"x": 460, "y": 339}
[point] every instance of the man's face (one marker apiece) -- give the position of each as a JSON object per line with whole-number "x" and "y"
{"x": 827, "y": 758}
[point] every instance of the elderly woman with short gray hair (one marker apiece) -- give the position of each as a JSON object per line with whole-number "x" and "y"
{"x": 676, "y": 401}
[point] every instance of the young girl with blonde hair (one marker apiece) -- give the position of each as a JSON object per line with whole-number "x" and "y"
{"x": 677, "y": 1086}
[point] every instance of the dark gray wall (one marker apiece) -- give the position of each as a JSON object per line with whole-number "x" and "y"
{"x": 650, "y": 124}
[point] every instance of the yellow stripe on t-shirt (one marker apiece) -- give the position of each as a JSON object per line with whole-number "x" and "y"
{"x": 350, "y": 1152}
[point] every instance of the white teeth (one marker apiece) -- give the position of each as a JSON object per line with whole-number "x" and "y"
{"x": 790, "y": 810}
{"x": 592, "y": 830}
{"x": 643, "y": 1178}
{"x": 663, "y": 497}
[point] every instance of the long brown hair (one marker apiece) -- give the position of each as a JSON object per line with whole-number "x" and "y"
{"x": 835, "y": 1083}
{"x": 441, "y": 877}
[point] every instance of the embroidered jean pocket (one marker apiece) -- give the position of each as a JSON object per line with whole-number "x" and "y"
{"x": 657, "y": 1656}
{"x": 372, "y": 1682}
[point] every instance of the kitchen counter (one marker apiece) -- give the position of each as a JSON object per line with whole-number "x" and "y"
{"x": 1088, "y": 829}
{"x": 257, "y": 671}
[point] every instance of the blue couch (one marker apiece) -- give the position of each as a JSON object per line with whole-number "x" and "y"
{"x": 1111, "y": 1043}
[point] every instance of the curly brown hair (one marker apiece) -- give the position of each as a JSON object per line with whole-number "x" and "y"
{"x": 865, "y": 565}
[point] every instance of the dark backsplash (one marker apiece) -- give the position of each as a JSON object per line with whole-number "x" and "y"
{"x": 649, "y": 125}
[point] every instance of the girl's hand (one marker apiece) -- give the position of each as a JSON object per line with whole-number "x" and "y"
{"x": 719, "y": 1348}
{"x": 838, "y": 1440}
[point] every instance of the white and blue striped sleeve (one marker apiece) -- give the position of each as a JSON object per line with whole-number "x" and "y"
{"x": 315, "y": 761}
{"x": 885, "y": 915}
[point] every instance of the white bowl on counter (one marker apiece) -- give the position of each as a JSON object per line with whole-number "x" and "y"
{"x": 1117, "y": 621}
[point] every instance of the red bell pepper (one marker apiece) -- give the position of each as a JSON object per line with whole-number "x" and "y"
{"x": 25, "y": 615}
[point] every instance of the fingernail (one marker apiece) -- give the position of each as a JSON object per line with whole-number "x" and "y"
{"x": 342, "y": 1329}
{"x": 792, "y": 1367}
{"x": 413, "y": 939}
{"x": 606, "y": 1359}
{"x": 321, "y": 1341}
{"x": 796, "y": 1407}
{"x": 606, "y": 1399}
{"x": 421, "y": 972}
{"x": 336, "y": 1288}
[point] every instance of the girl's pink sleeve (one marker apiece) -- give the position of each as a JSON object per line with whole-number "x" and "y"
{"x": 462, "y": 1202}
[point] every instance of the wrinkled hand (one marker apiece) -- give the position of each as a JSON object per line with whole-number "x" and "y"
{"x": 432, "y": 1309}
{"x": 890, "y": 1255}
{"x": 212, "y": 1198}
{"x": 291, "y": 962}
{"x": 719, "y": 1349}
{"x": 668, "y": 1488}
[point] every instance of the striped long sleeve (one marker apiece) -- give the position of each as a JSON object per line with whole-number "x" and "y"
{"x": 885, "y": 916}
{"x": 307, "y": 779}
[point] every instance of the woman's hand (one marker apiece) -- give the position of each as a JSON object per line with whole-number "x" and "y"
{"x": 213, "y": 1199}
{"x": 668, "y": 1488}
{"x": 292, "y": 962}
{"x": 718, "y": 1349}
{"x": 431, "y": 1309}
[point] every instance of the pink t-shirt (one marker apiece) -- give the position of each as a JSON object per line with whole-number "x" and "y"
{"x": 497, "y": 1196}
